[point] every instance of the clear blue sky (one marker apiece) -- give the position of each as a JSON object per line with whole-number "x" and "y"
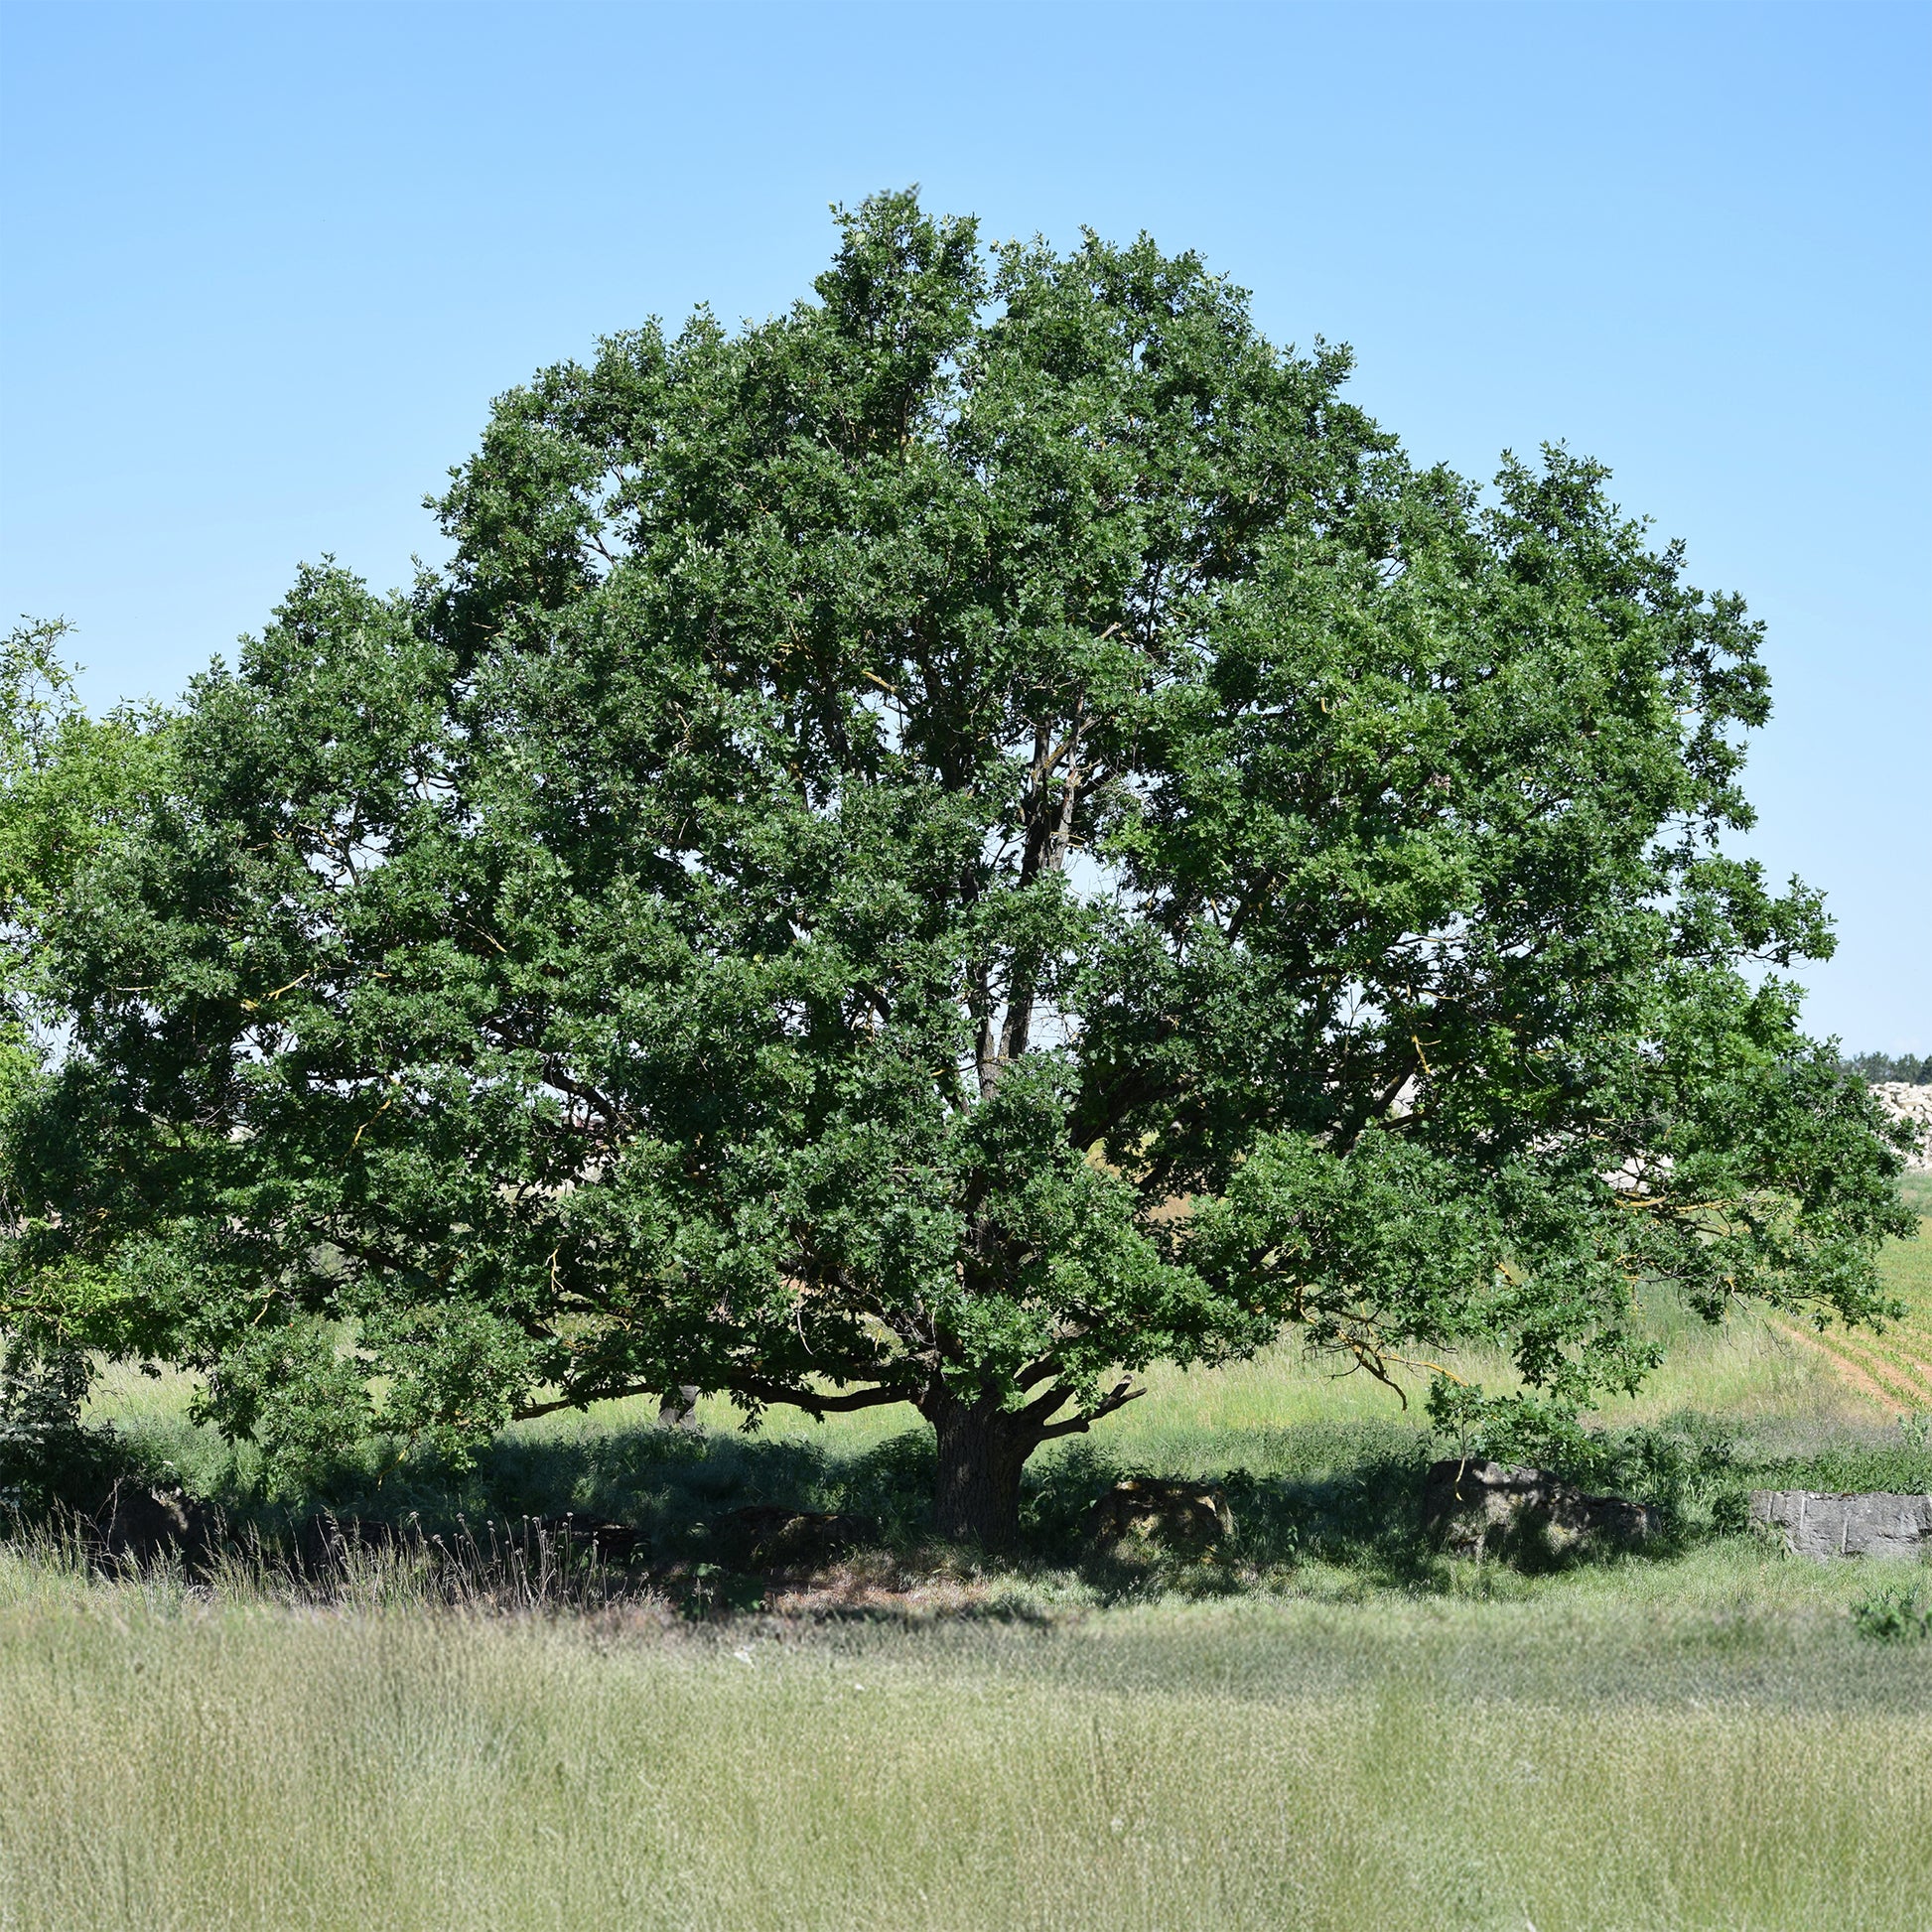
{"x": 264, "y": 267}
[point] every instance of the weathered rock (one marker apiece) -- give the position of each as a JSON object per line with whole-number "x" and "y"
{"x": 1905, "y": 1101}
{"x": 773, "y": 1537}
{"x": 678, "y": 1407}
{"x": 618, "y": 1543}
{"x": 613, "y": 1541}
{"x": 146, "y": 1521}
{"x": 1846, "y": 1523}
{"x": 1474, "y": 1509}
{"x": 1187, "y": 1514}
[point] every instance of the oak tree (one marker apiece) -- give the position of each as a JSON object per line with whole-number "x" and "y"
{"x": 981, "y": 833}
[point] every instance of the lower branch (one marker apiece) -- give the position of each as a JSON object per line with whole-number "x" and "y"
{"x": 814, "y": 1402}
{"x": 1117, "y": 1397}
{"x": 529, "y": 1411}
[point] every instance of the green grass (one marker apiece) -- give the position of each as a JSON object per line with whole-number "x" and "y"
{"x": 1327, "y": 1726}
{"x": 1710, "y": 1747}
{"x": 1895, "y": 1365}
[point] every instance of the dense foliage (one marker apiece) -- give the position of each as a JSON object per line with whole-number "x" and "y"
{"x": 70, "y": 784}
{"x": 987, "y": 831}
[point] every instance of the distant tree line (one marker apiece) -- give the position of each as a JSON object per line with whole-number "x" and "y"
{"x": 1914, "y": 1068}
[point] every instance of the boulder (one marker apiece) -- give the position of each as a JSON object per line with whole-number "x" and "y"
{"x": 579, "y": 1536}
{"x": 619, "y": 1543}
{"x": 145, "y": 1521}
{"x": 324, "y": 1542}
{"x": 1475, "y": 1508}
{"x": 1189, "y": 1515}
{"x": 1828, "y": 1523}
{"x": 678, "y": 1407}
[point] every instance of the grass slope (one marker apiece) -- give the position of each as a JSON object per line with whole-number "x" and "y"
{"x": 1894, "y": 1366}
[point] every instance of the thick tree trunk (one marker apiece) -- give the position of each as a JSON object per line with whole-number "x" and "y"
{"x": 678, "y": 1407}
{"x": 982, "y": 1450}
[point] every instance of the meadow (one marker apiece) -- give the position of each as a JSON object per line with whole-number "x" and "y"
{"x": 1324, "y": 1724}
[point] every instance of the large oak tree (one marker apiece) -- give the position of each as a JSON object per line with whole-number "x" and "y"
{"x": 981, "y": 833}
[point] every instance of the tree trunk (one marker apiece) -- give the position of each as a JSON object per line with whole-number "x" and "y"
{"x": 678, "y": 1407}
{"x": 982, "y": 1450}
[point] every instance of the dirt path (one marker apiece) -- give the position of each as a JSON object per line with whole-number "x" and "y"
{"x": 1896, "y": 1390}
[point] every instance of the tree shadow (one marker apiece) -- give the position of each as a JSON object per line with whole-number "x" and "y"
{"x": 669, "y": 1488}
{"x": 1347, "y": 1498}
{"x": 705, "y": 1508}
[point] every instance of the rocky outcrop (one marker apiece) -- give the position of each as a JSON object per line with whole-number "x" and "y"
{"x": 1187, "y": 1515}
{"x": 1846, "y": 1523}
{"x": 145, "y": 1521}
{"x": 1474, "y": 1509}
{"x": 325, "y": 1541}
{"x": 1904, "y": 1101}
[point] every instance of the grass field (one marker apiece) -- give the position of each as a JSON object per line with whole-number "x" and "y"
{"x": 1894, "y": 1368}
{"x": 1718, "y": 1749}
{"x": 1324, "y": 1728}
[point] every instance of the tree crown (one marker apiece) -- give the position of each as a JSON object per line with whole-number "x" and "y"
{"x": 983, "y": 832}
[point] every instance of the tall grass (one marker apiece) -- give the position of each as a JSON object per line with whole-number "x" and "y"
{"x": 1324, "y": 1728}
{"x": 1740, "y": 1760}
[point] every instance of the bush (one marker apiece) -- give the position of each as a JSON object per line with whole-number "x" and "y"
{"x": 48, "y": 1460}
{"x": 1686, "y": 1468}
{"x": 1894, "y": 1615}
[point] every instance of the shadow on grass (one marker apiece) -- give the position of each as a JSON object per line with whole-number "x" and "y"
{"x": 1347, "y": 1494}
{"x": 689, "y": 1513}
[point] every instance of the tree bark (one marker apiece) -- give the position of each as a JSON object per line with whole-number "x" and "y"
{"x": 678, "y": 1407}
{"x": 982, "y": 1450}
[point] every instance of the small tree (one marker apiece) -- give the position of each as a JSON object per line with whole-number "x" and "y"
{"x": 986, "y": 832}
{"x": 70, "y": 784}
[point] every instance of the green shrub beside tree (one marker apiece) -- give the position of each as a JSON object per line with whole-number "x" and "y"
{"x": 988, "y": 831}
{"x": 70, "y": 787}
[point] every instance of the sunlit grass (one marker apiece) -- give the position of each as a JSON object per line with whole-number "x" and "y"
{"x": 1745, "y": 1368}
{"x": 1700, "y": 1738}
{"x": 1597, "y": 1756}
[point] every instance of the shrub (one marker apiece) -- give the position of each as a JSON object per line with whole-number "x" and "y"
{"x": 48, "y": 1460}
{"x": 1897, "y": 1614}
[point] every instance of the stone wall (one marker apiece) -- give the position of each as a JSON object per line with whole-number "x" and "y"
{"x": 1830, "y": 1523}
